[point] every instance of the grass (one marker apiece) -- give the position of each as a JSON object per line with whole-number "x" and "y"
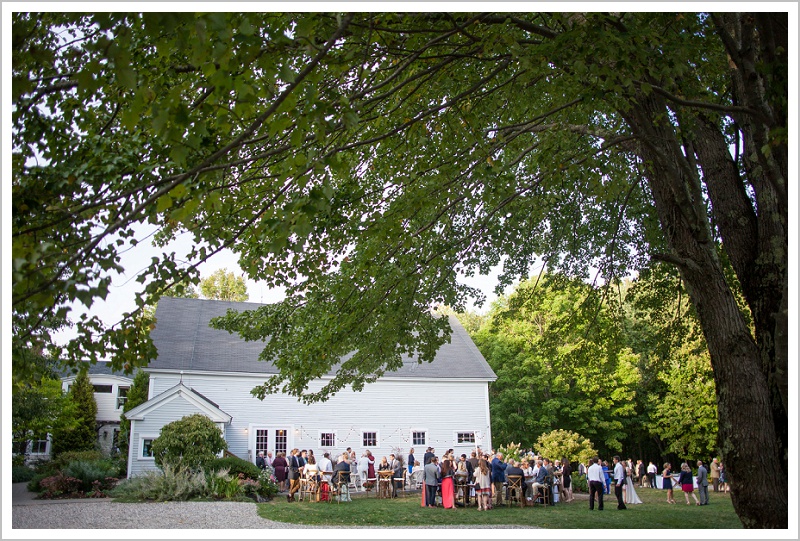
{"x": 654, "y": 513}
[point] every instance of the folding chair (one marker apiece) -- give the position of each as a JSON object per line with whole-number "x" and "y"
{"x": 339, "y": 486}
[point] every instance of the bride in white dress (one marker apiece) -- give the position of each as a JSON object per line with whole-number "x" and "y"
{"x": 630, "y": 493}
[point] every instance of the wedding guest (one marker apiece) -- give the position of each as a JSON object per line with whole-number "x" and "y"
{"x": 687, "y": 484}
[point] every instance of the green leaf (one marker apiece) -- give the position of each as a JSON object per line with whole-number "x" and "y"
{"x": 163, "y": 203}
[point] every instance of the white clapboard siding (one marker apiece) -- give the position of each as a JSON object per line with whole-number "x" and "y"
{"x": 107, "y": 409}
{"x": 150, "y": 427}
{"x": 391, "y": 407}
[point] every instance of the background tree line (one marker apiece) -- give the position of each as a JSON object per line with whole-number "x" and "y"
{"x": 624, "y": 366}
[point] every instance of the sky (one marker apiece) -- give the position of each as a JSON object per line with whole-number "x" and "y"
{"x": 123, "y": 288}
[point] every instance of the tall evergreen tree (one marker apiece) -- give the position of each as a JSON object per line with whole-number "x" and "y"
{"x": 82, "y": 435}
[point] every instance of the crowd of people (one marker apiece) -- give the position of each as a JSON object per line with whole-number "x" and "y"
{"x": 449, "y": 481}
{"x": 484, "y": 475}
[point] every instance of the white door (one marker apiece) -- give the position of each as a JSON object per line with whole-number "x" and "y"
{"x": 275, "y": 439}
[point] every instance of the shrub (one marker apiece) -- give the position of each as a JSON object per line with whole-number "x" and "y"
{"x": 94, "y": 475}
{"x": 221, "y": 484}
{"x": 63, "y": 459}
{"x": 579, "y": 483}
{"x": 235, "y": 466}
{"x": 170, "y": 484}
{"x": 559, "y": 444}
{"x": 22, "y": 474}
{"x": 267, "y": 487}
{"x": 191, "y": 443}
{"x": 512, "y": 452}
{"x": 59, "y": 485}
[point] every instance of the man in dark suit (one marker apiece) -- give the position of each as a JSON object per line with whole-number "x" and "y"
{"x": 293, "y": 474}
{"x": 261, "y": 462}
{"x": 431, "y": 481}
{"x": 620, "y": 477}
{"x": 397, "y": 469}
{"x": 428, "y": 456}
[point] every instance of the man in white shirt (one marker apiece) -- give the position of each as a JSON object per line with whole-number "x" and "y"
{"x": 619, "y": 482}
{"x": 325, "y": 465}
{"x": 596, "y": 480}
{"x": 651, "y": 474}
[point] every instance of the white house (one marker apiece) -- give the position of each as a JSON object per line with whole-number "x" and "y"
{"x": 110, "y": 392}
{"x": 444, "y": 404}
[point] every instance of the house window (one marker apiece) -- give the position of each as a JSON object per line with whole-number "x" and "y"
{"x": 102, "y": 388}
{"x": 39, "y": 446}
{"x": 465, "y": 437}
{"x": 122, "y": 396}
{"x": 147, "y": 448}
{"x": 418, "y": 438}
{"x": 369, "y": 439}
{"x": 327, "y": 439}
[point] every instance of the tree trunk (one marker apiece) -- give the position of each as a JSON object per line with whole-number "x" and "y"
{"x": 748, "y": 440}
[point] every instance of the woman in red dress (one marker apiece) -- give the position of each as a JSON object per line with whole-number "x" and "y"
{"x": 448, "y": 488}
{"x": 280, "y": 466}
{"x": 371, "y": 467}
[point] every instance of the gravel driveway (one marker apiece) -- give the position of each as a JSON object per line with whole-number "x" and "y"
{"x": 27, "y": 513}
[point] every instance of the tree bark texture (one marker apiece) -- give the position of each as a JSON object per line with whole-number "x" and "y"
{"x": 749, "y": 443}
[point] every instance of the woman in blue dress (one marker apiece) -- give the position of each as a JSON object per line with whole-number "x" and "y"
{"x": 666, "y": 481}
{"x": 608, "y": 478}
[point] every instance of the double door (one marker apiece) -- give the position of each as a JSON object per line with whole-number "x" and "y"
{"x": 274, "y": 439}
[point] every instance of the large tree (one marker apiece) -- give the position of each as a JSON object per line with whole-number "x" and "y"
{"x": 364, "y": 161}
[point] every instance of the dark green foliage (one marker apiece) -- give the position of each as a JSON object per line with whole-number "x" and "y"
{"x": 192, "y": 442}
{"x": 235, "y": 466}
{"x": 22, "y": 474}
{"x": 579, "y": 483}
{"x": 93, "y": 475}
{"x": 82, "y": 436}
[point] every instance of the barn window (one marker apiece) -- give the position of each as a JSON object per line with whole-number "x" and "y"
{"x": 327, "y": 439}
{"x": 102, "y": 388}
{"x": 418, "y": 438}
{"x": 369, "y": 439}
{"x": 465, "y": 437}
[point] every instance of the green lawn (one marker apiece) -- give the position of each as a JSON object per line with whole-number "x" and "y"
{"x": 654, "y": 513}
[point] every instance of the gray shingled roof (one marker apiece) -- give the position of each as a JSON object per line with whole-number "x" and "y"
{"x": 185, "y": 341}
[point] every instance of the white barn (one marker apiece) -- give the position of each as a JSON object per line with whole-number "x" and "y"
{"x": 444, "y": 404}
